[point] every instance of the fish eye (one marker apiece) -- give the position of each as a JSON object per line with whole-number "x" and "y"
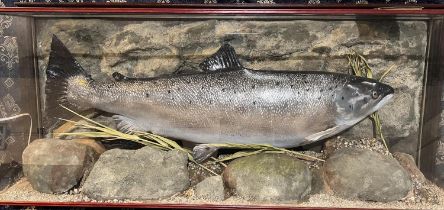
{"x": 375, "y": 94}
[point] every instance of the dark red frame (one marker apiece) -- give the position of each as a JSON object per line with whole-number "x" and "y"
{"x": 97, "y": 9}
{"x": 226, "y": 11}
{"x": 166, "y": 205}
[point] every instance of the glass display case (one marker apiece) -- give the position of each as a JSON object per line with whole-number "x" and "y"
{"x": 207, "y": 107}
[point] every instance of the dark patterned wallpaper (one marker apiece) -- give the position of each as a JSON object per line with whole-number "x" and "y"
{"x": 10, "y": 3}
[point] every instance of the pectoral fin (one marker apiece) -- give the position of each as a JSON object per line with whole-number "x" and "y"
{"x": 225, "y": 59}
{"x": 325, "y": 134}
{"x": 126, "y": 124}
{"x": 202, "y": 152}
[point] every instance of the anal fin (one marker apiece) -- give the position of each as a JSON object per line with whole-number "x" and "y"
{"x": 202, "y": 152}
{"x": 126, "y": 124}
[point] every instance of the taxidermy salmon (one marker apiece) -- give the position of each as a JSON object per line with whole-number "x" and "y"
{"x": 226, "y": 103}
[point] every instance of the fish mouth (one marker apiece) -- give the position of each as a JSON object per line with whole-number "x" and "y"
{"x": 383, "y": 101}
{"x": 386, "y": 99}
{"x": 389, "y": 91}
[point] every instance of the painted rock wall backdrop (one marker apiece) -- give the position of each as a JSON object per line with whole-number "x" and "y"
{"x": 152, "y": 48}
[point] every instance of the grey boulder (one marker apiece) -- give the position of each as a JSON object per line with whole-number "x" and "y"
{"x": 56, "y": 166}
{"x": 211, "y": 188}
{"x": 268, "y": 177}
{"x": 408, "y": 163}
{"x": 366, "y": 175}
{"x": 142, "y": 174}
{"x": 317, "y": 182}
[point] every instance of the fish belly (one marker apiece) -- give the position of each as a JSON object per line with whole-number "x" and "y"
{"x": 211, "y": 129}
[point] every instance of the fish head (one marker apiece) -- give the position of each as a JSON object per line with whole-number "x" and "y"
{"x": 361, "y": 97}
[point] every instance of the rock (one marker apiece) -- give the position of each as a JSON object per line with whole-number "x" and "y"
{"x": 423, "y": 190}
{"x": 211, "y": 188}
{"x": 198, "y": 174}
{"x": 94, "y": 144}
{"x": 408, "y": 145}
{"x": 336, "y": 143}
{"x": 268, "y": 177}
{"x": 408, "y": 163}
{"x": 142, "y": 174}
{"x": 55, "y": 166}
{"x": 317, "y": 181}
{"x": 366, "y": 175}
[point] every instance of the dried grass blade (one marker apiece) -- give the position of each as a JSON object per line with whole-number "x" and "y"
{"x": 239, "y": 155}
{"x": 302, "y": 156}
{"x": 386, "y": 72}
{"x": 83, "y": 117}
{"x": 86, "y": 134}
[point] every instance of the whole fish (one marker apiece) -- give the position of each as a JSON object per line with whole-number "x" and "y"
{"x": 226, "y": 103}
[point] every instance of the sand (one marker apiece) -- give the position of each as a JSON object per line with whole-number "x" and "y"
{"x": 23, "y": 192}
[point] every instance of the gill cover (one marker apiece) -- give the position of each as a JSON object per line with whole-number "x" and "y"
{"x": 360, "y": 98}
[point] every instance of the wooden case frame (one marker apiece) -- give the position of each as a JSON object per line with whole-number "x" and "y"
{"x": 431, "y": 114}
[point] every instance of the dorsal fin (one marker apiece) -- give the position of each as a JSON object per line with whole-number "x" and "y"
{"x": 224, "y": 59}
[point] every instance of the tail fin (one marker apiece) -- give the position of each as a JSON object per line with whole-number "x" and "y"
{"x": 61, "y": 67}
